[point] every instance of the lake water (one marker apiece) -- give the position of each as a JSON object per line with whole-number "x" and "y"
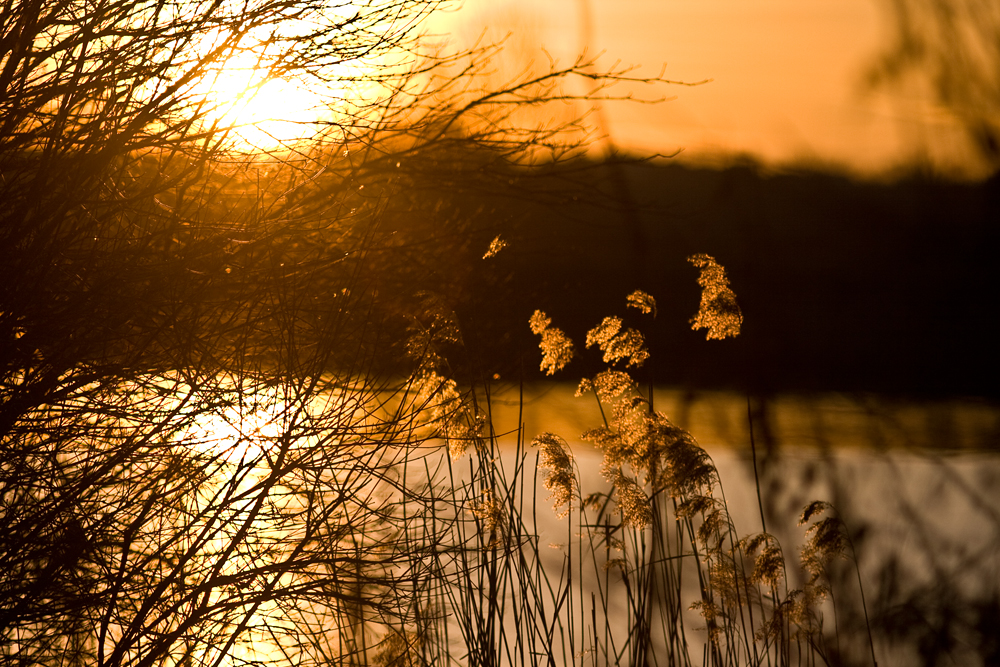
{"x": 918, "y": 484}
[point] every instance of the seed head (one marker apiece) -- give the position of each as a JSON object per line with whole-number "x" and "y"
{"x": 557, "y": 348}
{"x": 560, "y": 480}
{"x": 718, "y": 311}
{"x": 604, "y": 332}
{"x": 642, "y": 301}
{"x": 632, "y": 501}
{"x": 490, "y": 512}
{"x": 539, "y": 322}
{"x": 714, "y": 523}
{"x": 814, "y": 508}
{"x": 617, "y": 344}
{"x": 711, "y": 613}
{"x": 496, "y": 245}
{"x": 826, "y": 541}
{"x": 612, "y": 384}
{"x": 688, "y": 469}
{"x": 769, "y": 566}
{"x": 445, "y": 409}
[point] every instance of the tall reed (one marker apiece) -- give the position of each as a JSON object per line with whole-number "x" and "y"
{"x": 650, "y": 570}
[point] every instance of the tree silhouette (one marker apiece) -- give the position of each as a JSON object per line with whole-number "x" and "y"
{"x": 213, "y": 377}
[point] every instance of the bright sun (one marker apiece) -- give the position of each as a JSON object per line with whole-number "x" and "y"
{"x": 263, "y": 111}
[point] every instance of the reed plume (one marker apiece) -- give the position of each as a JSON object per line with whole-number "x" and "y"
{"x": 557, "y": 348}
{"x": 642, "y": 301}
{"x": 718, "y": 311}
{"x": 658, "y": 470}
{"x": 496, "y": 245}
{"x": 826, "y": 541}
{"x": 611, "y": 384}
{"x": 490, "y": 512}
{"x": 560, "y": 480}
{"x": 618, "y": 344}
{"x": 632, "y": 501}
{"x": 769, "y": 564}
{"x": 446, "y": 410}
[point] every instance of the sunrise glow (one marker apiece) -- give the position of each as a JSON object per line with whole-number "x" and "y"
{"x": 249, "y": 98}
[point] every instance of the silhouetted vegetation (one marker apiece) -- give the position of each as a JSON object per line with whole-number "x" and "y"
{"x": 206, "y": 404}
{"x": 237, "y": 383}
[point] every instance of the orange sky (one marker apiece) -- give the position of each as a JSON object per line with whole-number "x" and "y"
{"x": 787, "y": 78}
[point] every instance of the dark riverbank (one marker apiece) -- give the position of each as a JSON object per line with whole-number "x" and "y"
{"x": 843, "y": 285}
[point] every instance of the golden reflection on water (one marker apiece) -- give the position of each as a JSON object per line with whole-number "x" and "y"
{"x": 243, "y": 439}
{"x": 273, "y": 462}
{"x": 830, "y": 420}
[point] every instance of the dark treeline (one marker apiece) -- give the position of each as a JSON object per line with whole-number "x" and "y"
{"x": 844, "y": 285}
